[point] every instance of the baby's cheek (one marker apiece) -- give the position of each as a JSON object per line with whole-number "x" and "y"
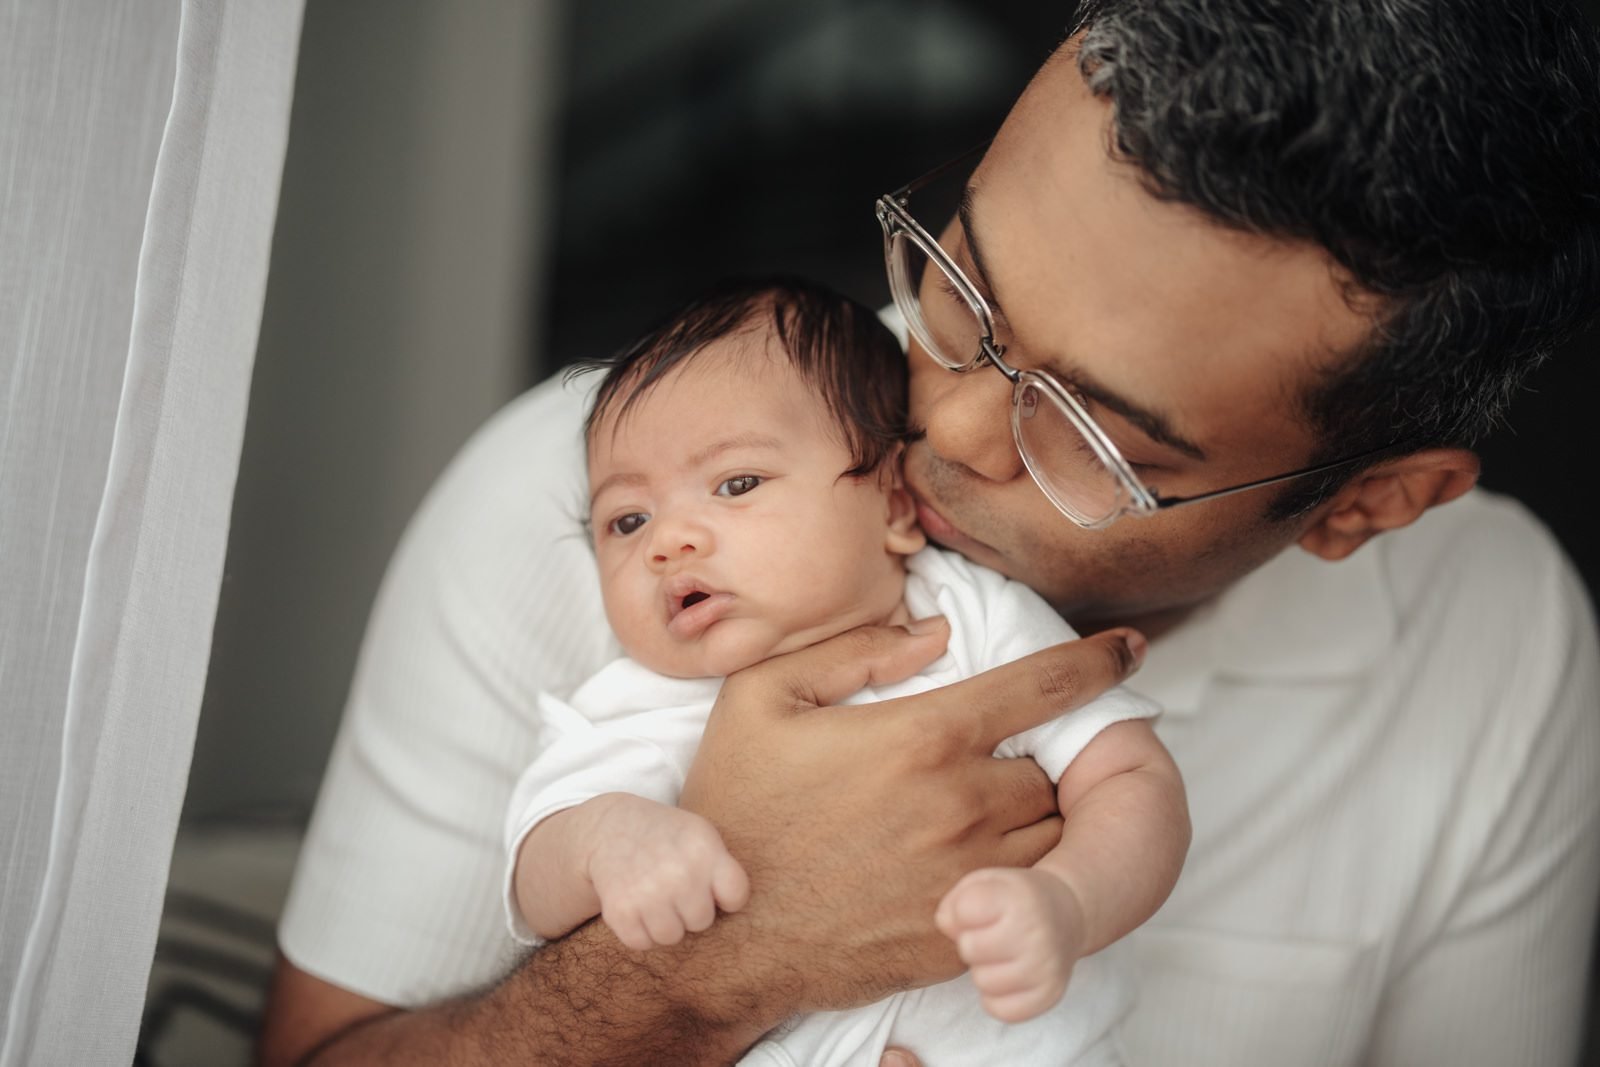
{"x": 636, "y": 625}
{"x": 621, "y": 615}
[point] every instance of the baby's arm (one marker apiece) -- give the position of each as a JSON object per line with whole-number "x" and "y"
{"x": 650, "y": 871}
{"x": 1123, "y": 840}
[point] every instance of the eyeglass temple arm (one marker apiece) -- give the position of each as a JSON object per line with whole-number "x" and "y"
{"x": 1173, "y": 501}
{"x": 937, "y": 172}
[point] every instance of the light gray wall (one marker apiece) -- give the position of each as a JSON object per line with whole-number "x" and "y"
{"x": 410, "y": 236}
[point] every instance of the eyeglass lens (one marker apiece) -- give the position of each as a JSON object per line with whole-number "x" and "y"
{"x": 1065, "y": 460}
{"x": 1067, "y": 464}
{"x": 937, "y": 313}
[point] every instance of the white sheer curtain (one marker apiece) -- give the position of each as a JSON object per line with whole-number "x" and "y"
{"x": 141, "y": 145}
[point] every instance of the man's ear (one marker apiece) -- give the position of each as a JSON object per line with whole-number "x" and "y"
{"x": 904, "y": 536}
{"x": 1387, "y": 497}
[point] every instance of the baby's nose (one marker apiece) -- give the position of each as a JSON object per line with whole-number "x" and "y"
{"x": 664, "y": 554}
{"x": 677, "y": 539}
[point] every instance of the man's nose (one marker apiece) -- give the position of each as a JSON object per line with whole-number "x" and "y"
{"x": 969, "y": 422}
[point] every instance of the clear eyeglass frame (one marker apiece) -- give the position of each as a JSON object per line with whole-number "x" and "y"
{"x": 1123, "y": 492}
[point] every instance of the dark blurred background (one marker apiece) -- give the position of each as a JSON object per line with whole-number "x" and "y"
{"x": 759, "y": 139}
{"x": 476, "y": 194}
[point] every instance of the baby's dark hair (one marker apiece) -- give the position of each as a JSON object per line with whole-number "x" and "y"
{"x": 837, "y": 346}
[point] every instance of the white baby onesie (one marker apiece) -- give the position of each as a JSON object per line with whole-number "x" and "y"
{"x": 628, "y": 729}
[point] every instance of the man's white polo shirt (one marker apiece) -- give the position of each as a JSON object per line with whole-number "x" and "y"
{"x": 1393, "y": 767}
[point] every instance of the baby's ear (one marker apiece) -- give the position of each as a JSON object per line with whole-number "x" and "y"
{"x": 903, "y": 536}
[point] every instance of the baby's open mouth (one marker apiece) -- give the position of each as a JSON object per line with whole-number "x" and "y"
{"x": 692, "y": 608}
{"x": 684, "y": 592}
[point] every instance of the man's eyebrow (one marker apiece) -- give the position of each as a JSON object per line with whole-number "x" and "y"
{"x": 1155, "y": 425}
{"x": 979, "y": 264}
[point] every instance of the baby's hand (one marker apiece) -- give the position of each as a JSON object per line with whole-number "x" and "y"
{"x": 660, "y": 871}
{"x": 1020, "y": 930}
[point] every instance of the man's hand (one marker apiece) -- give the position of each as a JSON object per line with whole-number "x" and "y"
{"x": 853, "y": 822}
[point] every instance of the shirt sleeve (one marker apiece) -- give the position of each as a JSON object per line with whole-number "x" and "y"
{"x": 490, "y": 599}
{"x": 1500, "y": 976}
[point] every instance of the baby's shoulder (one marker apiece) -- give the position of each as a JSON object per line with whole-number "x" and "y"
{"x": 993, "y": 619}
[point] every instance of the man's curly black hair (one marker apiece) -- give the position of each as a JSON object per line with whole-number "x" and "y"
{"x": 1446, "y": 153}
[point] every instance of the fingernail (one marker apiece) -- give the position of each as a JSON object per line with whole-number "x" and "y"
{"x": 1136, "y": 646}
{"x": 919, "y": 627}
{"x": 896, "y": 1058}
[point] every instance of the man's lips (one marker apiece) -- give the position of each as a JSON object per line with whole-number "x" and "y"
{"x": 937, "y": 527}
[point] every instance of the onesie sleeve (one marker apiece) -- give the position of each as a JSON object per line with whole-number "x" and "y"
{"x": 617, "y": 743}
{"x": 1016, "y": 622}
{"x": 1058, "y": 742}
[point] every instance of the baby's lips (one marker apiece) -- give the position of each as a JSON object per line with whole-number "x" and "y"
{"x": 689, "y": 623}
{"x": 680, "y": 587}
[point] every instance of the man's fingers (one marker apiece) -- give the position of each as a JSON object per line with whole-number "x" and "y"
{"x": 1033, "y": 690}
{"x": 1025, "y": 846}
{"x": 898, "y": 1057}
{"x": 1019, "y": 791}
{"x": 827, "y": 672}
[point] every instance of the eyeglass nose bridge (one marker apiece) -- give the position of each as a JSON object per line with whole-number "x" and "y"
{"x": 992, "y": 353}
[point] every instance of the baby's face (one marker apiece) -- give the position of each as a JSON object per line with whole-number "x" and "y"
{"x": 723, "y": 529}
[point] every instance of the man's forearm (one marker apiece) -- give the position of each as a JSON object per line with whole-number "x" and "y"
{"x": 588, "y": 1001}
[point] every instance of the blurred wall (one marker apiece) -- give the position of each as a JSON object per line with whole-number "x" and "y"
{"x": 409, "y": 239}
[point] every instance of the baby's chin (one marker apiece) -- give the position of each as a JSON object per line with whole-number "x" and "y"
{"x": 734, "y": 644}
{"x": 705, "y": 660}
{"x": 710, "y": 658}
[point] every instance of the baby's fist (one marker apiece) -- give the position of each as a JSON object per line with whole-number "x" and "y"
{"x": 661, "y": 873}
{"x": 1019, "y": 931}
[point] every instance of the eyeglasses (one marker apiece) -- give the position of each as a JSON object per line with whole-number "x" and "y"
{"x": 1070, "y": 457}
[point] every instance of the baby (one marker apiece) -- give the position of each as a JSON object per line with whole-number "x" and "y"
{"x": 746, "y": 502}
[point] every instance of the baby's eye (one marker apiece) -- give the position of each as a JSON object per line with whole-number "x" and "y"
{"x": 623, "y": 525}
{"x": 739, "y": 486}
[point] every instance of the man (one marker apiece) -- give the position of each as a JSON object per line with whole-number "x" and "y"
{"x": 1279, "y": 264}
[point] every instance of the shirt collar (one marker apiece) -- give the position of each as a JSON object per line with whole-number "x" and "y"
{"x": 1297, "y": 618}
